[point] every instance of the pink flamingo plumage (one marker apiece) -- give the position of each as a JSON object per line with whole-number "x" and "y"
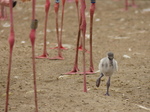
{"x": 59, "y": 57}
{"x": 11, "y": 40}
{"x": 47, "y": 6}
{"x": 32, "y": 39}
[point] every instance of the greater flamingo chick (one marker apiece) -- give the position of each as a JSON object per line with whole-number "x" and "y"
{"x": 107, "y": 67}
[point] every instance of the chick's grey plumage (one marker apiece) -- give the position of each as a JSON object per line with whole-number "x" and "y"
{"x": 107, "y": 67}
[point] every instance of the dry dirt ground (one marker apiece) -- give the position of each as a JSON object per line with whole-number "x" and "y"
{"x": 127, "y": 34}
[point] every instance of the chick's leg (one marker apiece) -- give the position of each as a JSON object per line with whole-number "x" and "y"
{"x": 108, "y": 85}
{"x": 98, "y": 81}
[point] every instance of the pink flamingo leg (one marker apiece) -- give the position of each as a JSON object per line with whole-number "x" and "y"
{"x": 59, "y": 57}
{"x": 75, "y": 68}
{"x": 126, "y": 5}
{"x": 45, "y": 54}
{"x": 32, "y": 39}
{"x": 133, "y": 4}
{"x": 77, "y": 5}
{"x": 80, "y": 46}
{"x": 3, "y": 15}
{"x": 83, "y": 28}
{"x": 11, "y": 43}
{"x": 92, "y": 9}
{"x": 62, "y": 19}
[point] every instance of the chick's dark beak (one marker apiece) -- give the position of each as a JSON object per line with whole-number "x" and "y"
{"x": 110, "y": 58}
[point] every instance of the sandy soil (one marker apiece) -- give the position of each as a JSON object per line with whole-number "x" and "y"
{"x": 124, "y": 33}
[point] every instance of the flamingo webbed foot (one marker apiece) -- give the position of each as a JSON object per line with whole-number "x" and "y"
{"x": 56, "y": 58}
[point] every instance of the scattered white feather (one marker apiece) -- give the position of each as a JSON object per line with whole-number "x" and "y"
{"x": 63, "y": 76}
{"x": 87, "y": 36}
{"x": 48, "y": 30}
{"x": 47, "y": 42}
{"x": 130, "y": 49}
{"x": 116, "y": 37}
{"x": 146, "y": 10}
{"x": 126, "y": 56}
{"x": 89, "y": 89}
{"x": 16, "y": 77}
{"x": 23, "y": 42}
{"x": 6, "y": 25}
{"x": 59, "y": 29}
{"x": 143, "y": 107}
{"x": 32, "y": 91}
{"x": 5, "y": 94}
{"x": 71, "y": 7}
{"x": 97, "y": 19}
{"x": 67, "y": 45}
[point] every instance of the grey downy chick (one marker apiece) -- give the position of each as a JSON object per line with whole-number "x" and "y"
{"x": 107, "y": 67}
